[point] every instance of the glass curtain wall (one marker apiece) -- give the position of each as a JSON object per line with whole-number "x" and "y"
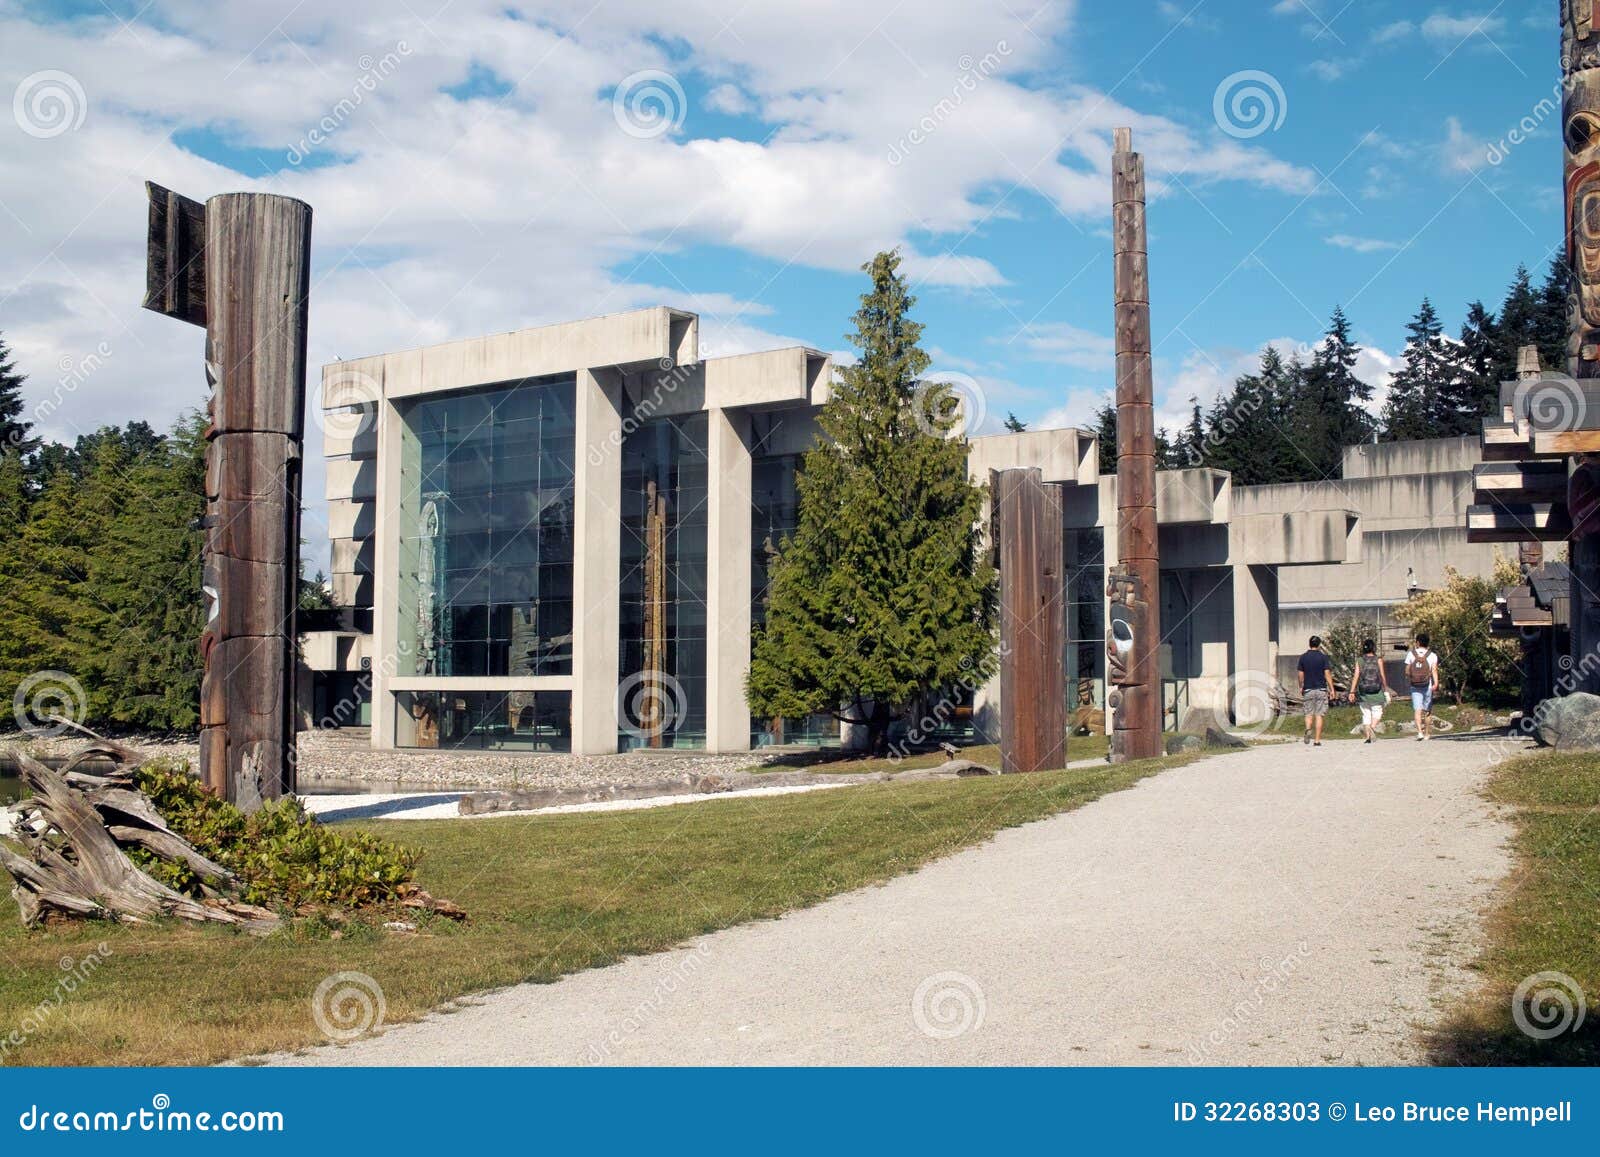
{"x": 662, "y": 661}
{"x": 1085, "y": 577}
{"x": 486, "y": 550}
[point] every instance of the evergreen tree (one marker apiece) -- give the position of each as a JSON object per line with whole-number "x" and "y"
{"x": 146, "y": 672}
{"x": 1421, "y": 396}
{"x": 1331, "y": 412}
{"x": 1476, "y": 362}
{"x": 1013, "y": 424}
{"x": 1191, "y": 446}
{"x": 15, "y": 431}
{"x": 1519, "y": 326}
{"x": 1245, "y": 430}
{"x": 882, "y": 595}
{"x": 1550, "y": 315}
{"x": 1105, "y": 432}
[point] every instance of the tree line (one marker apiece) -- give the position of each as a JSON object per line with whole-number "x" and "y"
{"x": 1291, "y": 419}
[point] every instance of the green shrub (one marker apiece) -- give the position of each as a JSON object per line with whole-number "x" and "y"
{"x": 282, "y": 857}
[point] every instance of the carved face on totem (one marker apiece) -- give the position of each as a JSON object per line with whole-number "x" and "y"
{"x": 1580, "y": 34}
{"x": 1126, "y": 620}
{"x": 1580, "y": 56}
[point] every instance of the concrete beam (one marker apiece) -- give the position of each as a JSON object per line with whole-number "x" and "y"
{"x": 727, "y": 580}
{"x": 597, "y": 562}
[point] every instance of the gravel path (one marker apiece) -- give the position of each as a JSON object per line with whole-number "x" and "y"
{"x": 1280, "y": 906}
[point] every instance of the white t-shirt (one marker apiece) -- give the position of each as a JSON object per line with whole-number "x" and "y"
{"x": 1433, "y": 663}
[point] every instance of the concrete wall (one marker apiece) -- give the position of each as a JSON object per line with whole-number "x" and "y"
{"x": 1432, "y": 456}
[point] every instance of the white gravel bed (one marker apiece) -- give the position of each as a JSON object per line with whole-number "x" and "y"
{"x": 434, "y": 806}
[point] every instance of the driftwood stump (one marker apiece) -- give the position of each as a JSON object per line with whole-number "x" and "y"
{"x": 75, "y": 829}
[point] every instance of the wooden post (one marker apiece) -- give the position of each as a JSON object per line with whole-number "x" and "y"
{"x": 1033, "y": 635}
{"x": 1133, "y": 637}
{"x": 241, "y": 266}
{"x": 1580, "y": 114}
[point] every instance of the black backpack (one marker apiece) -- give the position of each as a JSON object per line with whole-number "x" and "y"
{"x": 1371, "y": 681}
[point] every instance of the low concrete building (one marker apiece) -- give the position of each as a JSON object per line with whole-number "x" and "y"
{"x": 524, "y": 525}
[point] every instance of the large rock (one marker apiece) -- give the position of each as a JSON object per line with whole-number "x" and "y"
{"x": 1176, "y": 744}
{"x": 1569, "y": 722}
{"x": 1216, "y": 737}
{"x": 1199, "y": 720}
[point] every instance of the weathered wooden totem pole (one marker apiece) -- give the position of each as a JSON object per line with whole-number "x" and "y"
{"x": 1580, "y": 114}
{"x": 1133, "y": 635}
{"x": 239, "y": 265}
{"x": 1033, "y": 621}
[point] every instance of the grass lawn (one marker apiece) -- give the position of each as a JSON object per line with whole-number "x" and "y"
{"x": 1343, "y": 720}
{"x": 842, "y": 762}
{"x": 1547, "y": 920}
{"x": 548, "y": 895}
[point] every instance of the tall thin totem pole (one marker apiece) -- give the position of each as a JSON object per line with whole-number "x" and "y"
{"x": 1133, "y": 636}
{"x": 1580, "y": 115}
{"x": 240, "y": 266}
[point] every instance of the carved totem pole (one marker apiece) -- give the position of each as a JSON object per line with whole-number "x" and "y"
{"x": 1580, "y": 114}
{"x": 240, "y": 266}
{"x": 1133, "y": 635}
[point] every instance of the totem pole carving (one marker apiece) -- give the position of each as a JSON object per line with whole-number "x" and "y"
{"x": 1133, "y": 636}
{"x": 1580, "y": 114}
{"x": 240, "y": 266}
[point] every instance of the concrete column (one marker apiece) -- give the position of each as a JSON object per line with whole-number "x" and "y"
{"x": 727, "y": 580}
{"x": 597, "y": 562}
{"x": 1255, "y": 637}
{"x": 386, "y": 578}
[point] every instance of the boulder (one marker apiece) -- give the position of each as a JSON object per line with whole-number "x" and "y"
{"x": 1181, "y": 743}
{"x": 1569, "y": 722}
{"x": 1217, "y": 737}
{"x": 1200, "y": 720}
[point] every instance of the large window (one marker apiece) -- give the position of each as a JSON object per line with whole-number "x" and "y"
{"x": 485, "y": 584}
{"x": 485, "y": 720}
{"x": 662, "y": 665}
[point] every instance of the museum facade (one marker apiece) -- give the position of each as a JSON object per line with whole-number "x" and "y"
{"x": 526, "y": 526}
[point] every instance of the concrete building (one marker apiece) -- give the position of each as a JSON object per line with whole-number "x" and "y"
{"x": 524, "y": 524}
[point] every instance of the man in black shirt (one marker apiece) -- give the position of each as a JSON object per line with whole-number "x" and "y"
{"x": 1316, "y": 688}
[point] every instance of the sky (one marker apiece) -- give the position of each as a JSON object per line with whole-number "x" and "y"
{"x": 476, "y": 167}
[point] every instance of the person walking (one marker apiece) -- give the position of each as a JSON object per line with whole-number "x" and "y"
{"x": 1422, "y": 673}
{"x": 1369, "y": 685}
{"x": 1316, "y": 688}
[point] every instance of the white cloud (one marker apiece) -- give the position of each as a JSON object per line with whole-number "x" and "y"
{"x": 1443, "y": 27}
{"x": 1068, "y": 345}
{"x": 1460, "y": 151}
{"x": 1360, "y": 244}
{"x": 1392, "y": 33}
{"x": 440, "y": 218}
{"x": 1330, "y": 70}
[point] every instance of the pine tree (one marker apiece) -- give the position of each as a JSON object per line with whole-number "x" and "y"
{"x": 15, "y": 431}
{"x": 1476, "y": 362}
{"x": 1014, "y": 425}
{"x": 882, "y": 595}
{"x": 1244, "y": 430}
{"x": 1420, "y": 397}
{"x": 1191, "y": 446}
{"x": 1550, "y": 316}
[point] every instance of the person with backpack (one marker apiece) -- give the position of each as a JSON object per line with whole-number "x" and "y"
{"x": 1369, "y": 685}
{"x": 1316, "y": 688}
{"x": 1422, "y": 673}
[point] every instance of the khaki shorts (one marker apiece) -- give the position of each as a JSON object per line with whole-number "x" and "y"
{"x": 1316, "y": 703}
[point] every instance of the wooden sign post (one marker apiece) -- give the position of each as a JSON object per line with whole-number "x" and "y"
{"x": 1133, "y": 636}
{"x": 1033, "y": 622}
{"x": 240, "y": 266}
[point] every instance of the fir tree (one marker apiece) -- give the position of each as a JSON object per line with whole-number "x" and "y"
{"x": 1550, "y": 316}
{"x": 1477, "y": 360}
{"x": 1331, "y": 412}
{"x": 1420, "y": 394}
{"x": 1519, "y": 326}
{"x": 15, "y": 431}
{"x": 1013, "y": 424}
{"x": 1105, "y": 432}
{"x": 882, "y": 595}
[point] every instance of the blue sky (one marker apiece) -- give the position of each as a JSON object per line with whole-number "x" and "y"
{"x": 477, "y": 167}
